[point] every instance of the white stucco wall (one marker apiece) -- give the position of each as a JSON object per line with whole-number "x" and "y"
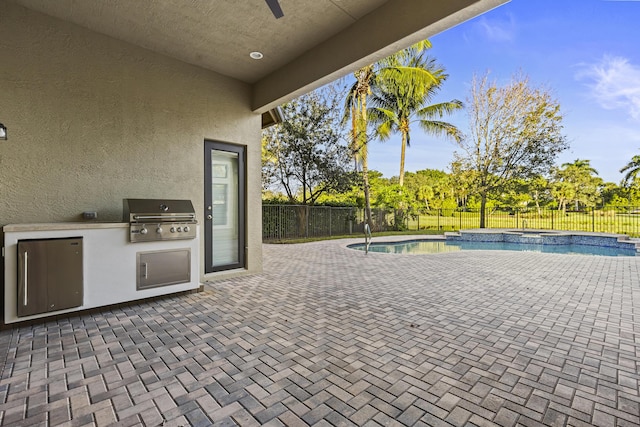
{"x": 92, "y": 120}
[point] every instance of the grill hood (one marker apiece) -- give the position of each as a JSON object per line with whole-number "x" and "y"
{"x": 154, "y": 210}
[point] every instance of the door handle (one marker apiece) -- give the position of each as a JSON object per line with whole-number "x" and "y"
{"x": 26, "y": 282}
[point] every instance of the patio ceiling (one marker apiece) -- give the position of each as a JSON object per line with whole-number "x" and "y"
{"x": 314, "y": 43}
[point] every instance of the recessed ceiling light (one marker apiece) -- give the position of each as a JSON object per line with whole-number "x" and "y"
{"x": 256, "y": 55}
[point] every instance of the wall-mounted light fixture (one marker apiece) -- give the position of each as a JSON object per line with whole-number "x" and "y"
{"x": 3, "y": 132}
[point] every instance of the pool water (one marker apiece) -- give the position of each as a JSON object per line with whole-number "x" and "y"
{"x": 440, "y": 246}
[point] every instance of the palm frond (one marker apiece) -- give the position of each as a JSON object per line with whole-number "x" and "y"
{"x": 439, "y": 128}
{"x": 407, "y": 76}
{"x": 384, "y": 130}
{"x": 633, "y": 169}
{"x": 440, "y": 109}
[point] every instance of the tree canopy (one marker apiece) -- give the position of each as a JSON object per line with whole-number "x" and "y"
{"x": 506, "y": 158}
{"x": 306, "y": 155}
{"x": 576, "y": 182}
{"x": 515, "y": 131}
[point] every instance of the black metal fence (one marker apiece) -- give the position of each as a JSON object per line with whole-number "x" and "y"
{"x": 282, "y": 222}
{"x": 620, "y": 220}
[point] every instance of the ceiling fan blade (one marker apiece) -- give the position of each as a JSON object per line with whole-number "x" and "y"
{"x": 275, "y": 8}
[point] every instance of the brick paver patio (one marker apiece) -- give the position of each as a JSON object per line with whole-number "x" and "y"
{"x": 329, "y": 336}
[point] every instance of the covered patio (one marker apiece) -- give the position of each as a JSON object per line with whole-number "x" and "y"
{"x": 327, "y": 335}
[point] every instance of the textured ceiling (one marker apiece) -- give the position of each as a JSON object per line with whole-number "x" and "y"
{"x": 315, "y": 42}
{"x": 214, "y": 34}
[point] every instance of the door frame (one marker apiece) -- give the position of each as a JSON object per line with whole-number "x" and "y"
{"x": 241, "y": 151}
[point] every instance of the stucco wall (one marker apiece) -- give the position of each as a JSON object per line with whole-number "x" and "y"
{"x": 93, "y": 120}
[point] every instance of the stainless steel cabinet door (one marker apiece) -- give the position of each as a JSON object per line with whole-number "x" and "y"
{"x": 32, "y": 278}
{"x": 162, "y": 268}
{"x": 50, "y": 275}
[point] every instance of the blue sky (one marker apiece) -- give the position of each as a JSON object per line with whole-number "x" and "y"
{"x": 585, "y": 51}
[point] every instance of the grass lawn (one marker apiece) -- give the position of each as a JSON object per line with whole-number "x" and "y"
{"x": 590, "y": 221}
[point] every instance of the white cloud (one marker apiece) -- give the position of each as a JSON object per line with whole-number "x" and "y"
{"x": 497, "y": 30}
{"x": 614, "y": 84}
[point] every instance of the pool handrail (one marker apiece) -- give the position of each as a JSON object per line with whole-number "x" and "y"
{"x": 367, "y": 238}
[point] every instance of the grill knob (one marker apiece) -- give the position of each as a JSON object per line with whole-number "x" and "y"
{"x": 143, "y": 230}
{"x": 173, "y": 229}
{"x": 159, "y": 230}
{"x": 186, "y": 228}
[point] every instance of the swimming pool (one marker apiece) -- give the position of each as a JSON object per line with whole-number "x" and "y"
{"x": 430, "y": 246}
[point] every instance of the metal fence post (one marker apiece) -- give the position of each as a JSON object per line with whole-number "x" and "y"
{"x": 593, "y": 219}
{"x": 280, "y": 222}
{"x": 329, "y": 220}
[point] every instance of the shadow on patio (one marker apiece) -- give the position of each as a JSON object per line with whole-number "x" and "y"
{"x": 330, "y": 336}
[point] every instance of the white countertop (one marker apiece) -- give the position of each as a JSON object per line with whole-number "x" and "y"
{"x": 54, "y": 226}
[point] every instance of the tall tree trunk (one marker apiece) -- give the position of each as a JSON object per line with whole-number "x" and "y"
{"x": 563, "y": 206}
{"x": 364, "y": 157}
{"x": 367, "y": 200}
{"x": 399, "y": 215}
{"x": 303, "y": 222}
{"x": 403, "y": 150}
{"x": 355, "y": 151}
{"x": 538, "y": 205}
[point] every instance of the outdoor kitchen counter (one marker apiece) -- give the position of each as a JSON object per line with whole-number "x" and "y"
{"x": 109, "y": 262}
{"x": 52, "y": 226}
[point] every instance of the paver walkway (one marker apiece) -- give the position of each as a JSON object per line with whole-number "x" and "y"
{"x": 331, "y": 336}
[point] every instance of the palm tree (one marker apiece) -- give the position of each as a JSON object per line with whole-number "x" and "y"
{"x": 402, "y": 98}
{"x": 355, "y": 107}
{"x": 632, "y": 170}
{"x": 578, "y": 180}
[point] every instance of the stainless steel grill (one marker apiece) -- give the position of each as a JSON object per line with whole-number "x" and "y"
{"x": 158, "y": 219}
